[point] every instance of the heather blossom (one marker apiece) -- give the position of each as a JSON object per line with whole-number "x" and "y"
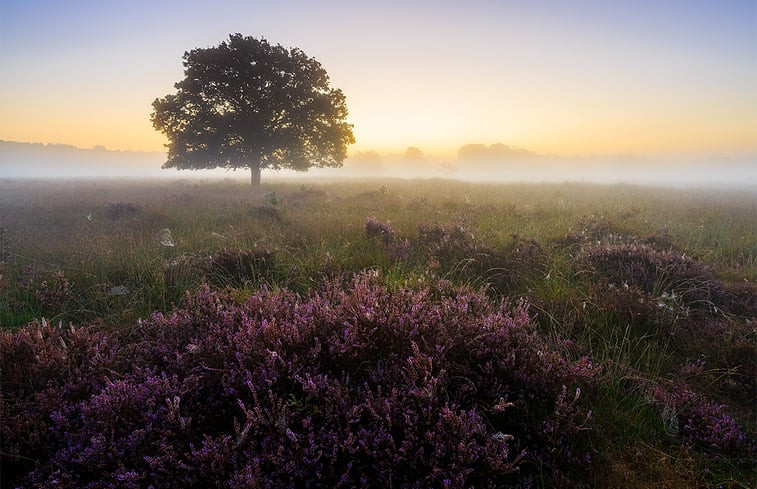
{"x": 353, "y": 385}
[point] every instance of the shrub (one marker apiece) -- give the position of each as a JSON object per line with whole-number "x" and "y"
{"x": 266, "y": 212}
{"x": 379, "y": 230}
{"x": 224, "y": 267}
{"x": 118, "y": 211}
{"x": 729, "y": 347}
{"x": 594, "y": 229}
{"x": 457, "y": 251}
{"x": 448, "y": 244}
{"x": 395, "y": 246}
{"x": 44, "y": 369}
{"x": 238, "y": 266}
{"x": 353, "y": 386}
{"x": 658, "y": 273}
{"x": 640, "y": 309}
{"x": 742, "y": 299}
{"x": 707, "y": 424}
{"x": 54, "y": 295}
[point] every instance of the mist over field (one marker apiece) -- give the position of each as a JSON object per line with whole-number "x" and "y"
{"x": 473, "y": 163}
{"x": 426, "y": 244}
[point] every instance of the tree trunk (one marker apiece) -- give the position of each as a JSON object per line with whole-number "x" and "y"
{"x": 255, "y": 176}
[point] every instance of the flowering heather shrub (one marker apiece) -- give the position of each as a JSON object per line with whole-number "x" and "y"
{"x": 117, "y": 211}
{"x": 634, "y": 306}
{"x": 526, "y": 253}
{"x": 660, "y": 240}
{"x": 658, "y": 272}
{"x": 55, "y": 294}
{"x": 704, "y": 423}
{"x": 593, "y": 229}
{"x": 400, "y": 249}
{"x": 44, "y": 368}
{"x": 238, "y": 265}
{"x": 222, "y": 268}
{"x": 397, "y": 248}
{"x": 447, "y": 243}
{"x": 265, "y": 212}
{"x": 457, "y": 250}
{"x": 379, "y": 230}
{"x": 732, "y": 365}
{"x": 742, "y": 299}
{"x": 353, "y": 386}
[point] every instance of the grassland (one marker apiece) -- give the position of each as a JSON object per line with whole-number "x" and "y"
{"x": 672, "y": 326}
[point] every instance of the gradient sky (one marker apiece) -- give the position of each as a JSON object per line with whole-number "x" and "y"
{"x": 567, "y": 78}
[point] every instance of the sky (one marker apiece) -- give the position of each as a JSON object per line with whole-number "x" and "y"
{"x": 641, "y": 77}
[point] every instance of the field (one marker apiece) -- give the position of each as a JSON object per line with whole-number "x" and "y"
{"x": 570, "y": 335}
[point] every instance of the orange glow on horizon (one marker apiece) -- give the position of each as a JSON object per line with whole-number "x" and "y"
{"x": 633, "y": 78}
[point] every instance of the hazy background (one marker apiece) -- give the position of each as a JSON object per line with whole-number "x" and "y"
{"x": 589, "y": 90}
{"x": 473, "y": 162}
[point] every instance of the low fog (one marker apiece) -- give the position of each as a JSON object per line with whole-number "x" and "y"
{"x": 474, "y": 162}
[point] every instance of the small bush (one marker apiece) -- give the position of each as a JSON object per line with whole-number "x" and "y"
{"x": 742, "y": 300}
{"x": 447, "y": 243}
{"x": 657, "y": 273}
{"x": 54, "y": 295}
{"x": 238, "y": 266}
{"x": 594, "y": 229}
{"x": 634, "y": 306}
{"x": 457, "y": 251}
{"x": 729, "y": 348}
{"x": 266, "y": 212}
{"x": 118, "y": 211}
{"x": 702, "y": 422}
{"x": 355, "y": 386}
{"x": 395, "y": 246}
{"x": 379, "y": 230}
{"x": 224, "y": 267}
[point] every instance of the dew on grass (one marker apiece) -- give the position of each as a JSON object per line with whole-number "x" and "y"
{"x": 119, "y": 290}
{"x": 165, "y": 237}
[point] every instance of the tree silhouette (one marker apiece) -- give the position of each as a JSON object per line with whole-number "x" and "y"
{"x": 249, "y": 104}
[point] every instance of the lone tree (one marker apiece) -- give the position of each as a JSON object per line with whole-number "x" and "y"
{"x": 249, "y": 104}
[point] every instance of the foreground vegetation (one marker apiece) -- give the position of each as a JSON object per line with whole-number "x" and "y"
{"x": 393, "y": 333}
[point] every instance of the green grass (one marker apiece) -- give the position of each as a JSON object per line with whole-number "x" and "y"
{"x": 316, "y": 231}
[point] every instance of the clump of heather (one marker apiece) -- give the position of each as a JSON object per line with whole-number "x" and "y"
{"x": 458, "y": 251}
{"x": 379, "y": 230}
{"x": 446, "y": 243}
{"x": 728, "y": 346}
{"x": 396, "y": 247}
{"x": 45, "y": 368}
{"x": 356, "y": 385}
{"x": 118, "y": 211}
{"x": 594, "y": 229}
{"x": 224, "y": 267}
{"x": 54, "y": 294}
{"x": 742, "y": 299}
{"x": 238, "y": 266}
{"x": 706, "y": 424}
{"x": 266, "y": 212}
{"x": 526, "y": 253}
{"x": 659, "y": 272}
{"x": 640, "y": 309}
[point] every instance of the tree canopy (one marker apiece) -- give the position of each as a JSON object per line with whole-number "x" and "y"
{"x": 249, "y": 104}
